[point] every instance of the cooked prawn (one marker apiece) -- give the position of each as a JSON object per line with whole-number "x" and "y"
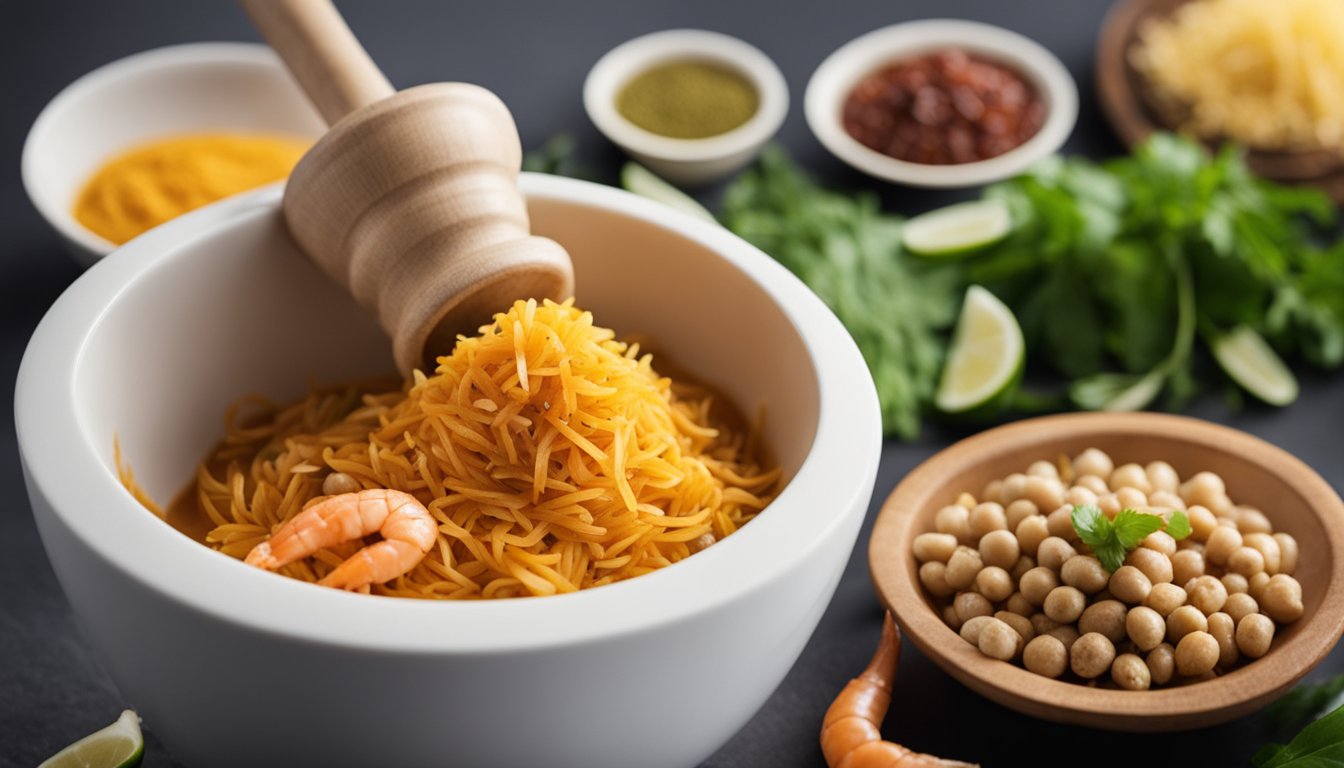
{"x": 407, "y": 528}
{"x": 850, "y": 734}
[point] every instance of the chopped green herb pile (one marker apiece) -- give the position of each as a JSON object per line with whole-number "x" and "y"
{"x": 1319, "y": 745}
{"x": 896, "y": 307}
{"x": 1111, "y": 540}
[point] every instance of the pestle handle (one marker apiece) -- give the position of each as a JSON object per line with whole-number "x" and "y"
{"x": 322, "y": 54}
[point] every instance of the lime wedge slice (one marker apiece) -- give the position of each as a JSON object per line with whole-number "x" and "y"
{"x": 643, "y": 182}
{"x": 958, "y": 229}
{"x": 985, "y": 360}
{"x": 1246, "y": 357}
{"x": 119, "y": 745}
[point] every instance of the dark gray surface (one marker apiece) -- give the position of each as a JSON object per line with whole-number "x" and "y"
{"x": 535, "y": 55}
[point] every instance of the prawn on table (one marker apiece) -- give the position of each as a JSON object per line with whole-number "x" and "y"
{"x": 851, "y": 735}
{"x": 407, "y": 528}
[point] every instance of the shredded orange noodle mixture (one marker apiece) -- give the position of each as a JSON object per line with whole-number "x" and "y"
{"x": 553, "y": 457}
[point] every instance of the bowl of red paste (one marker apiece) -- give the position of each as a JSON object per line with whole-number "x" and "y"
{"x": 941, "y": 103}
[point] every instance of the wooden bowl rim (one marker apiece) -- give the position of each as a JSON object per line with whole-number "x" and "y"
{"x": 1199, "y": 704}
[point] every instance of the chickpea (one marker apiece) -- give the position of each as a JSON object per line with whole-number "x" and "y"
{"x": 1053, "y": 552}
{"x": 1030, "y": 533}
{"x": 1130, "y": 476}
{"x": 1129, "y": 585}
{"x": 1020, "y": 624}
{"x": 962, "y": 567}
{"x": 1202, "y": 522}
{"x": 1093, "y": 462}
{"x": 1185, "y": 620}
{"x": 1162, "y": 476}
{"x": 1268, "y": 548}
{"x": 1131, "y": 498}
{"x": 1022, "y": 565}
{"x": 1165, "y": 598}
{"x": 1106, "y": 618}
{"x": 1092, "y": 483}
{"x": 1042, "y": 624}
{"x": 1064, "y": 604}
{"x": 1222, "y": 544}
{"x": 1037, "y": 583}
{"x": 1085, "y": 573}
{"x": 1255, "y": 632}
{"x": 1145, "y": 627}
{"x": 1165, "y": 500}
{"x": 1018, "y": 511}
{"x": 1019, "y": 605}
{"x": 1044, "y": 492}
{"x": 1159, "y": 541}
{"x": 1252, "y": 520}
{"x": 1131, "y": 673}
{"x": 1000, "y": 641}
{"x": 1223, "y": 629}
{"x": 1060, "y": 523}
{"x": 1196, "y": 654}
{"x": 1109, "y": 505}
{"x": 1234, "y": 583}
{"x": 934, "y": 547}
{"x": 950, "y": 618}
{"x": 993, "y": 492}
{"x": 1186, "y": 565}
{"x": 1162, "y": 663}
{"x": 1246, "y": 561}
{"x": 954, "y": 519}
{"x": 999, "y": 548}
{"x": 972, "y": 627}
{"x": 1203, "y": 488}
{"x": 994, "y": 583}
{"x": 1013, "y": 487}
{"x": 1043, "y": 468}
{"x": 1240, "y": 605}
{"x": 1091, "y": 655}
{"x": 970, "y": 604}
{"x": 1220, "y": 506}
{"x": 1080, "y": 496}
{"x": 1155, "y": 565}
{"x": 966, "y": 500}
{"x": 1207, "y": 594}
{"x": 1065, "y": 634}
{"x": 338, "y": 483}
{"x": 1255, "y": 585}
{"x": 1046, "y": 655}
{"x": 1281, "y": 599}
{"x": 987, "y": 517}
{"x": 933, "y": 576}
{"x": 1287, "y": 553}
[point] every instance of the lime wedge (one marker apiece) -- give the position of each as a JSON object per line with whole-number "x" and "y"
{"x": 985, "y": 360}
{"x": 643, "y": 182}
{"x": 958, "y": 229}
{"x": 119, "y": 745}
{"x": 1245, "y": 356}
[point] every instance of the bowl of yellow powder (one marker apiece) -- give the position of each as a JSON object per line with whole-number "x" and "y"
{"x": 693, "y": 106}
{"x": 147, "y": 138}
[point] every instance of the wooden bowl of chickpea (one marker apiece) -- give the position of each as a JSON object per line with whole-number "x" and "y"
{"x": 1136, "y": 571}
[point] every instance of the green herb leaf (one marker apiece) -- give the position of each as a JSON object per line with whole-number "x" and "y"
{"x": 1091, "y": 525}
{"x": 1306, "y": 702}
{"x": 1178, "y": 525}
{"x": 1132, "y": 527}
{"x": 1319, "y": 745}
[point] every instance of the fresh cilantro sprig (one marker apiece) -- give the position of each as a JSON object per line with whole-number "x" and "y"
{"x": 1111, "y": 540}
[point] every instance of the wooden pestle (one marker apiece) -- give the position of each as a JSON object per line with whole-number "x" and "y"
{"x": 411, "y": 199}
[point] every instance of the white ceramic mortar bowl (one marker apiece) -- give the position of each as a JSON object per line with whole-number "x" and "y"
{"x": 191, "y": 88}
{"x": 230, "y": 665}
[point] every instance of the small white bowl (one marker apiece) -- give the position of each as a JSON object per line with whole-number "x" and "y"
{"x": 835, "y": 79}
{"x": 687, "y": 161}
{"x": 227, "y": 663}
{"x": 193, "y": 88}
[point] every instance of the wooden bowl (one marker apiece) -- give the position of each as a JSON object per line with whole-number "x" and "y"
{"x": 1296, "y": 500}
{"x": 1129, "y": 107}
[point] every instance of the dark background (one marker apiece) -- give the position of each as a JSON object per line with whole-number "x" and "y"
{"x": 535, "y": 56}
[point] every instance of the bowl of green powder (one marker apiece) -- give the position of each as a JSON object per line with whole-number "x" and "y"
{"x": 693, "y": 106}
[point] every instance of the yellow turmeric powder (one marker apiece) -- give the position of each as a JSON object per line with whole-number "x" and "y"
{"x": 151, "y": 184}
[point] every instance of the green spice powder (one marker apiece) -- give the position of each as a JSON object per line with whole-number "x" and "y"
{"x": 688, "y": 100}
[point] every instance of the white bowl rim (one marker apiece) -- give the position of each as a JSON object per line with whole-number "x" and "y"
{"x": 837, "y": 75}
{"x": 636, "y": 55}
{"x": 841, "y": 462}
{"x": 134, "y": 65}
